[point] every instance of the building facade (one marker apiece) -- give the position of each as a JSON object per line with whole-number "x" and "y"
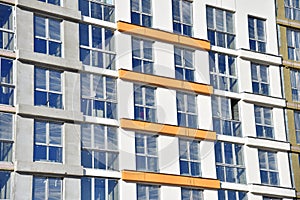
{"x": 146, "y": 100}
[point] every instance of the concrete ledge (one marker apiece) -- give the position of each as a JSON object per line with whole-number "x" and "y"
{"x": 267, "y": 143}
{"x": 272, "y": 190}
{"x": 6, "y": 166}
{"x": 47, "y": 60}
{"x": 6, "y": 108}
{"x": 7, "y": 54}
{"x": 49, "y": 113}
{"x": 102, "y": 173}
{"x": 170, "y": 179}
{"x": 293, "y": 105}
{"x": 49, "y": 168}
{"x": 260, "y": 57}
{"x": 289, "y": 23}
{"x": 165, "y": 82}
{"x": 53, "y": 10}
{"x": 163, "y": 35}
{"x": 11, "y": 2}
{"x": 265, "y": 100}
{"x": 295, "y": 149}
{"x": 169, "y": 130}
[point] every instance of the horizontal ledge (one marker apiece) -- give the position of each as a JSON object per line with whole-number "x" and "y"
{"x": 6, "y": 166}
{"x": 260, "y": 57}
{"x": 165, "y": 129}
{"x": 7, "y": 54}
{"x": 165, "y": 82}
{"x": 170, "y": 179}
{"x": 163, "y": 35}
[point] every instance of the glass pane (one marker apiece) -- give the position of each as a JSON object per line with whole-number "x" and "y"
{"x": 86, "y": 189}
{"x": 140, "y": 163}
{"x": 228, "y": 153}
{"x": 99, "y": 160}
{"x": 55, "y": 135}
{"x": 186, "y": 12}
{"x": 251, "y": 27}
{"x": 84, "y": 34}
{"x": 40, "y": 153}
{"x": 54, "y": 29}
{"x": 86, "y": 158}
{"x": 86, "y": 135}
{"x": 55, "y": 100}
{"x": 40, "y": 132}
{"x": 112, "y": 161}
{"x": 55, "y": 80}
{"x": 55, "y": 154}
{"x": 151, "y": 144}
{"x": 210, "y": 17}
{"x": 260, "y": 29}
{"x": 6, "y": 128}
{"x": 84, "y": 7}
{"x": 219, "y": 20}
{"x": 96, "y": 10}
{"x": 55, "y": 49}
{"x": 39, "y": 188}
{"x": 99, "y": 137}
{"x": 85, "y": 56}
{"x": 229, "y": 22}
{"x": 146, "y": 6}
{"x": 6, "y": 70}
{"x": 148, "y": 50}
{"x": 39, "y": 26}
{"x": 112, "y": 137}
{"x": 97, "y": 37}
{"x": 99, "y": 189}
{"x": 111, "y": 88}
{"x": 98, "y": 87}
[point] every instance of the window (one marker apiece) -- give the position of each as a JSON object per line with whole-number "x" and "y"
{"x": 263, "y": 122}
{"x": 293, "y": 44}
{"x": 230, "y": 162}
{"x": 191, "y": 194}
{"x": 231, "y": 195}
{"x": 54, "y": 2}
{"x": 141, "y": 12}
{"x": 47, "y": 141}
{"x": 220, "y": 28}
{"x": 297, "y": 126}
{"x": 271, "y": 198}
{"x": 257, "y": 37}
{"x": 260, "y": 79}
{"x": 187, "y": 110}
{"x": 295, "y": 85}
{"x": 47, "y": 88}
{"x": 97, "y": 46}
{"x": 268, "y": 167}
{"x": 100, "y": 9}
{"x": 6, "y": 83}
{"x": 99, "y": 96}
{"x": 99, "y": 147}
{"x": 189, "y": 157}
{"x": 292, "y": 9}
{"x": 226, "y": 120}
{"x": 47, "y": 36}
{"x": 6, "y": 27}
{"x": 184, "y": 64}
{"x": 182, "y": 17}
{"x": 47, "y": 188}
{"x": 5, "y": 185}
{"x": 223, "y": 74}
{"x": 144, "y": 103}
{"x": 147, "y": 192}
{"x": 99, "y": 188}
{"x": 142, "y": 56}
{"x": 6, "y": 137}
{"x": 146, "y": 152}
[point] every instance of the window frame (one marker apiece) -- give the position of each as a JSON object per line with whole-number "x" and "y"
{"x": 223, "y": 168}
{"x": 297, "y": 126}
{"x": 8, "y": 31}
{"x": 295, "y": 87}
{"x": 50, "y": 2}
{"x": 110, "y": 151}
{"x": 146, "y": 154}
{"x": 180, "y": 22}
{"x": 46, "y": 189}
{"x": 186, "y": 157}
{"x": 147, "y": 188}
{"x": 263, "y": 124}
{"x": 47, "y": 144}
{"x": 91, "y": 101}
{"x": 143, "y": 105}
{"x": 290, "y": 10}
{"x": 214, "y": 31}
{"x": 223, "y": 71}
{"x": 92, "y": 181}
{"x": 7, "y": 83}
{"x": 255, "y": 40}
{"x": 259, "y": 80}
{"x": 267, "y": 169}
{"x": 184, "y": 66}
{"x": 293, "y": 47}
{"x": 104, "y": 6}
{"x": 191, "y": 194}
{"x": 7, "y": 184}
{"x": 225, "y": 194}
{"x": 97, "y": 51}
{"x": 6, "y": 141}
{"x": 143, "y": 46}
{"x": 185, "y": 105}
{"x": 141, "y": 14}
{"x": 47, "y": 37}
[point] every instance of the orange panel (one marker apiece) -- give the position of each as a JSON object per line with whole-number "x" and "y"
{"x": 165, "y": 82}
{"x": 163, "y": 36}
{"x": 165, "y": 129}
{"x": 169, "y": 179}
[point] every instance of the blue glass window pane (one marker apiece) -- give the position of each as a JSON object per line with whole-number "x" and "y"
{"x": 40, "y": 98}
{"x": 55, "y": 154}
{"x": 187, "y": 30}
{"x": 109, "y": 13}
{"x": 54, "y": 186}
{"x": 195, "y": 169}
{"x": 231, "y": 194}
{"x": 55, "y": 100}
{"x": 55, "y": 48}
{"x": 100, "y": 160}
{"x": 40, "y": 45}
{"x": 211, "y": 37}
{"x": 97, "y": 59}
{"x": 54, "y": 2}
{"x": 84, "y": 34}
{"x": 100, "y": 189}
{"x": 55, "y": 80}
{"x": 39, "y": 188}
{"x": 99, "y": 109}
{"x": 112, "y": 189}
{"x": 135, "y": 18}
{"x": 220, "y": 173}
{"x": 184, "y": 167}
{"x": 6, "y": 152}
{"x": 40, "y": 152}
{"x": 54, "y": 29}
{"x": 97, "y": 37}
{"x": 85, "y": 56}
{"x": 86, "y": 107}
{"x": 111, "y": 110}
{"x": 6, "y": 95}
{"x": 96, "y": 10}
{"x": 136, "y": 65}
{"x": 86, "y": 158}
{"x": 6, "y": 70}
{"x": 84, "y": 7}
{"x": 86, "y": 188}
{"x": 147, "y": 20}
{"x": 55, "y": 133}
{"x": 40, "y": 132}
{"x": 140, "y": 163}
{"x": 177, "y": 28}
{"x": 39, "y": 26}
{"x": 40, "y": 78}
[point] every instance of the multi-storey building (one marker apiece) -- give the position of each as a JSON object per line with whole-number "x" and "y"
{"x": 142, "y": 99}
{"x": 288, "y": 25}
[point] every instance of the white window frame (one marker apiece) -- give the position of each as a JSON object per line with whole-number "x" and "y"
{"x": 6, "y": 190}
{"x": 186, "y": 110}
{"x": 256, "y": 39}
{"x": 7, "y": 84}
{"x": 191, "y": 194}
{"x": 259, "y": 80}
{"x": 223, "y": 80}
{"x": 185, "y": 155}
{"x": 90, "y": 96}
{"x": 297, "y": 126}
{"x": 262, "y": 111}
{"x": 10, "y": 30}
{"x": 140, "y": 12}
{"x": 143, "y": 45}
{"x": 185, "y": 64}
{"x": 148, "y": 191}
{"x": 48, "y": 143}
{"x": 223, "y": 165}
{"x": 6, "y": 135}
{"x": 267, "y": 169}
{"x": 147, "y": 154}
{"x": 104, "y": 4}
{"x": 293, "y": 45}
{"x": 291, "y": 11}
{"x": 213, "y": 27}
{"x": 237, "y": 194}
{"x": 146, "y": 117}
{"x": 48, "y": 1}
{"x": 108, "y": 149}
{"x": 181, "y": 20}
{"x": 295, "y": 86}
{"x": 106, "y": 50}
{"x": 46, "y": 186}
